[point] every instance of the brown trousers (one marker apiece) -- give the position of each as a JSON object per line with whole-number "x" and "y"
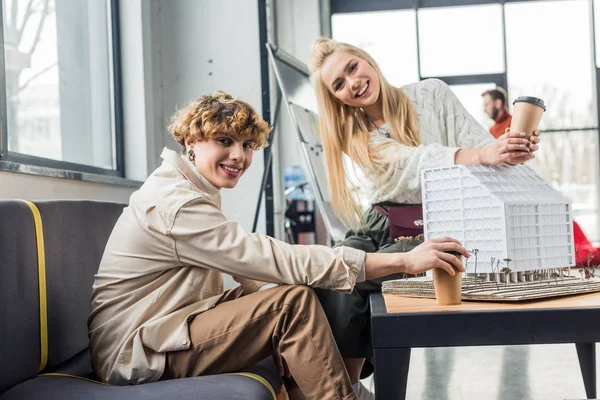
{"x": 238, "y": 333}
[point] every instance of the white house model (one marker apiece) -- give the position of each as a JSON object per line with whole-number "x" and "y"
{"x": 508, "y": 213}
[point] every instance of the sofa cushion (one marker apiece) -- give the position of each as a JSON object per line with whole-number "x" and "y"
{"x": 19, "y": 300}
{"x": 75, "y": 235}
{"x": 222, "y": 387}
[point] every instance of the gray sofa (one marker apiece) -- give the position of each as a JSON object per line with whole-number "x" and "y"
{"x": 73, "y": 234}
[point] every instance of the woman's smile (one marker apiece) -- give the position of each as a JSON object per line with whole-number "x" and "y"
{"x": 362, "y": 92}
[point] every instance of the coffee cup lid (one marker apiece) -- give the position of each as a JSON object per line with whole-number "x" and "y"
{"x": 532, "y": 100}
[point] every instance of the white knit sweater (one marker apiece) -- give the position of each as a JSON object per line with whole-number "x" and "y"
{"x": 445, "y": 126}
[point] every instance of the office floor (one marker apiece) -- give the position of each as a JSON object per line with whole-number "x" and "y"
{"x": 495, "y": 373}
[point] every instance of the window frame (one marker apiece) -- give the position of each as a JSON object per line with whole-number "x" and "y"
{"x": 352, "y": 6}
{"x": 11, "y": 160}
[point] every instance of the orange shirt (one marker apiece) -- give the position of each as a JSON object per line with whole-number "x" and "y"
{"x": 501, "y": 123}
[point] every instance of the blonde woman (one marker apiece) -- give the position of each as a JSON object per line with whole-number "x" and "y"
{"x": 391, "y": 133}
{"x": 159, "y": 310}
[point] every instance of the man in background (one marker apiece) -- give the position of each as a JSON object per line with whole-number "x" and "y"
{"x": 496, "y": 108}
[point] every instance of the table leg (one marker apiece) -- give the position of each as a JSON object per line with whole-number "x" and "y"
{"x": 586, "y": 352}
{"x": 391, "y": 373}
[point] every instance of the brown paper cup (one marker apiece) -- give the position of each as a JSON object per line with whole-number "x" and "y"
{"x": 527, "y": 114}
{"x": 448, "y": 289}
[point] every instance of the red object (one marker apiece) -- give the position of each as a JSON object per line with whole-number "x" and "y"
{"x": 583, "y": 248}
{"x": 501, "y": 123}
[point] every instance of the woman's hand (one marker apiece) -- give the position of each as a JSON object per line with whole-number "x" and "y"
{"x": 532, "y": 146}
{"x": 512, "y": 148}
{"x": 432, "y": 254}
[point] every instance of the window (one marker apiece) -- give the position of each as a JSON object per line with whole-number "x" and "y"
{"x": 59, "y": 83}
{"x": 553, "y": 64}
{"x": 389, "y": 36}
{"x": 568, "y": 155}
{"x": 517, "y": 45}
{"x": 461, "y": 40}
{"x": 569, "y": 162}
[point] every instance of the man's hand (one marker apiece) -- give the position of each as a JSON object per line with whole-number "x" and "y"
{"x": 433, "y": 254}
{"x": 428, "y": 255}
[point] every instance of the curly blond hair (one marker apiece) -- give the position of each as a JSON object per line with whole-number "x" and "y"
{"x": 209, "y": 115}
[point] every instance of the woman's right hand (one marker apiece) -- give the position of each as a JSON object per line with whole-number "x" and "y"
{"x": 511, "y": 147}
{"x": 432, "y": 254}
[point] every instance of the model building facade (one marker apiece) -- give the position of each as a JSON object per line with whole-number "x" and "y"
{"x": 508, "y": 215}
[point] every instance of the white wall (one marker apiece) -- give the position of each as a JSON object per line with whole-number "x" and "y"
{"x": 206, "y": 45}
{"x": 32, "y": 187}
{"x": 298, "y": 26}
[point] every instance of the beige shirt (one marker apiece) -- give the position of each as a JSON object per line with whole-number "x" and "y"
{"x": 164, "y": 263}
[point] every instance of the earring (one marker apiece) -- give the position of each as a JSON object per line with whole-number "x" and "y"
{"x": 191, "y": 155}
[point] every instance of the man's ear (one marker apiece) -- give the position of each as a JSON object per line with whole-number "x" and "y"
{"x": 189, "y": 143}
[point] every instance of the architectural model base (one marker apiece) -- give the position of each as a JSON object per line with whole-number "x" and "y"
{"x": 478, "y": 290}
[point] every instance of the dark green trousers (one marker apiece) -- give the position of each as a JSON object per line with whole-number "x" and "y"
{"x": 349, "y": 314}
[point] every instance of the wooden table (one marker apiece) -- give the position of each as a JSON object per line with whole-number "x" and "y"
{"x": 401, "y": 323}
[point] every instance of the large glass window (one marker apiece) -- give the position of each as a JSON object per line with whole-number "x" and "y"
{"x": 461, "y": 40}
{"x": 549, "y": 49}
{"x": 58, "y": 74}
{"x": 557, "y": 65}
{"x": 390, "y": 37}
{"x": 569, "y": 161}
{"x": 553, "y": 64}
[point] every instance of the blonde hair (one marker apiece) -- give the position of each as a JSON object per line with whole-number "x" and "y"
{"x": 209, "y": 115}
{"x": 343, "y": 128}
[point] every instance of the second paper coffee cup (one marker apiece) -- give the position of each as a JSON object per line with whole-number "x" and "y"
{"x": 527, "y": 114}
{"x": 448, "y": 288}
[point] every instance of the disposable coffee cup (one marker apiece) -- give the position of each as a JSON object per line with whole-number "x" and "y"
{"x": 527, "y": 113}
{"x": 448, "y": 288}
